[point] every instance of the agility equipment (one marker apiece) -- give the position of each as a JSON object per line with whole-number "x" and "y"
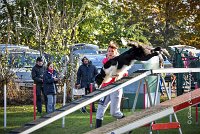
{"x": 156, "y": 113}
{"x": 141, "y": 118}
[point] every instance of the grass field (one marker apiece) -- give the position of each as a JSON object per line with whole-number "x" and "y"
{"x": 78, "y": 123}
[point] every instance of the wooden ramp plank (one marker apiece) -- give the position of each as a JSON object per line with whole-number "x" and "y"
{"x": 134, "y": 121}
{"x": 27, "y": 126}
{"x": 146, "y": 116}
{"x": 188, "y": 99}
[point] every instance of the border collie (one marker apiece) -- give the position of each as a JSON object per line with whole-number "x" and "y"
{"x": 120, "y": 64}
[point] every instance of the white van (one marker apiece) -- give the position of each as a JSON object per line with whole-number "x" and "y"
{"x": 184, "y": 48}
{"x": 21, "y": 59}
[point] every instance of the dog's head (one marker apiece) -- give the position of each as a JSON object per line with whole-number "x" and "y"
{"x": 100, "y": 77}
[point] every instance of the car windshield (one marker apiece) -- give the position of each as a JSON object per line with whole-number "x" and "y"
{"x": 81, "y": 47}
{"x": 30, "y": 59}
{"x": 85, "y": 51}
{"x": 22, "y": 59}
{"x": 97, "y": 60}
{"x": 15, "y": 59}
{"x": 182, "y": 47}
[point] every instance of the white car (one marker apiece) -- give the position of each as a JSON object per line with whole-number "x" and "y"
{"x": 184, "y": 48}
{"x": 21, "y": 59}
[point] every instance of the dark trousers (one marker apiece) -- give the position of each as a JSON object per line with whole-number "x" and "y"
{"x": 39, "y": 93}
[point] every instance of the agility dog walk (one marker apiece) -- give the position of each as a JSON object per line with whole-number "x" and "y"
{"x": 96, "y": 95}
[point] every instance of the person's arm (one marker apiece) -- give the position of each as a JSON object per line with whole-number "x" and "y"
{"x": 125, "y": 74}
{"x": 78, "y": 81}
{"x": 56, "y": 79}
{"x": 48, "y": 79}
{"x": 34, "y": 76}
{"x": 95, "y": 73}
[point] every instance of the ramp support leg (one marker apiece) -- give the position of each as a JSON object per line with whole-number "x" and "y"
{"x": 180, "y": 131}
{"x": 136, "y": 96}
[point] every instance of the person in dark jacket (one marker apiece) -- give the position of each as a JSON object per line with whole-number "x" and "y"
{"x": 37, "y": 76}
{"x": 50, "y": 79}
{"x": 86, "y": 75}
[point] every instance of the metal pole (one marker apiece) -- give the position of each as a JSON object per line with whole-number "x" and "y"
{"x": 197, "y": 122}
{"x": 91, "y": 86}
{"x": 157, "y": 87}
{"x": 136, "y": 96}
{"x": 180, "y": 131}
{"x": 5, "y": 103}
{"x": 34, "y": 101}
{"x": 150, "y": 101}
{"x": 170, "y": 94}
{"x": 144, "y": 99}
{"x": 64, "y": 100}
{"x": 148, "y": 92}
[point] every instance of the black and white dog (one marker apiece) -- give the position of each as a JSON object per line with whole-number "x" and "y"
{"x": 120, "y": 64}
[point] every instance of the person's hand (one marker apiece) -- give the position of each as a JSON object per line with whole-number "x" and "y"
{"x": 56, "y": 79}
{"x": 78, "y": 86}
{"x": 115, "y": 75}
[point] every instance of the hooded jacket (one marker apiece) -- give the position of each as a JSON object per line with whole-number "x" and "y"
{"x": 86, "y": 74}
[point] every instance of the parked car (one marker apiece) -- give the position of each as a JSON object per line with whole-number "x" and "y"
{"x": 96, "y": 60}
{"x": 183, "y": 47}
{"x": 91, "y": 51}
{"x": 83, "y": 48}
{"x": 21, "y": 59}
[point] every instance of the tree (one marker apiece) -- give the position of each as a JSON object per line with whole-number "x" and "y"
{"x": 44, "y": 24}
